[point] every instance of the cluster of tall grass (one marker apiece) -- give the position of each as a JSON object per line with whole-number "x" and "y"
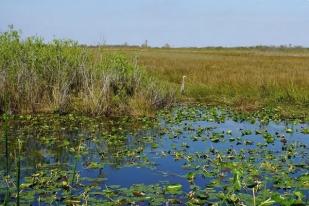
{"x": 242, "y": 77}
{"x": 62, "y": 76}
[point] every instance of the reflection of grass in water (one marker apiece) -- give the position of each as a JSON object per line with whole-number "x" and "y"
{"x": 76, "y": 160}
{"x": 5, "y": 137}
{"x": 5, "y": 119}
{"x": 18, "y": 172}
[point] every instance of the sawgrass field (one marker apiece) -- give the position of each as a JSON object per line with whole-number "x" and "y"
{"x": 244, "y": 78}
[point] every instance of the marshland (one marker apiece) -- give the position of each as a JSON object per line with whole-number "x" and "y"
{"x": 118, "y": 124}
{"x": 109, "y": 125}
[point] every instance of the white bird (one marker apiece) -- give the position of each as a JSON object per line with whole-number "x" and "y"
{"x": 182, "y": 88}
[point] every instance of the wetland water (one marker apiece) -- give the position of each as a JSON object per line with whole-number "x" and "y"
{"x": 188, "y": 156}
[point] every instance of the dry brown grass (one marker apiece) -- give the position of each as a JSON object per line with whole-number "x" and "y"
{"x": 248, "y": 78}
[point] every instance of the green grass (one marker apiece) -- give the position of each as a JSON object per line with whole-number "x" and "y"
{"x": 64, "y": 77}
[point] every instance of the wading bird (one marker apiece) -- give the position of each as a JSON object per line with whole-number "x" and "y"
{"x": 182, "y": 88}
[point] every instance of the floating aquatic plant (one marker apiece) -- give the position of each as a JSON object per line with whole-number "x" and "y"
{"x": 180, "y": 157}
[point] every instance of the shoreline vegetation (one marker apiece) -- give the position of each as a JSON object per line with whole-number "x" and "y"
{"x": 65, "y": 77}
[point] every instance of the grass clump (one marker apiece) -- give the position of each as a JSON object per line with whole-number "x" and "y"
{"x": 62, "y": 76}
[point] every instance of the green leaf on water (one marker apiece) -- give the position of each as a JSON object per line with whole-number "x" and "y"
{"x": 236, "y": 179}
{"x": 289, "y": 130}
{"x": 25, "y": 185}
{"x": 299, "y": 195}
{"x": 229, "y": 132}
{"x": 305, "y": 131}
{"x": 191, "y": 176}
{"x": 174, "y": 188}
{"x": 154, "y": 145}
{"x": 267, "y": 202}
{"x": 269, "y": 138}
{"x": 94, "y": 165}
{"x": 304, "y": 180}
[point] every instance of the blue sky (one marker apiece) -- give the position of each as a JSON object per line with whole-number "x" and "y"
{"x": 177, "y": 22}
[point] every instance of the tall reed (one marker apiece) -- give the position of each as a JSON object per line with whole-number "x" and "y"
{"x": 63, "y": 76}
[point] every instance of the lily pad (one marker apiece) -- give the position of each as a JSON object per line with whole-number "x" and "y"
{"x": 174, "y": 188}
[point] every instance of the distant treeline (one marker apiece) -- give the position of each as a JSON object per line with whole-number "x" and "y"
{"x": 259, "y": 47}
